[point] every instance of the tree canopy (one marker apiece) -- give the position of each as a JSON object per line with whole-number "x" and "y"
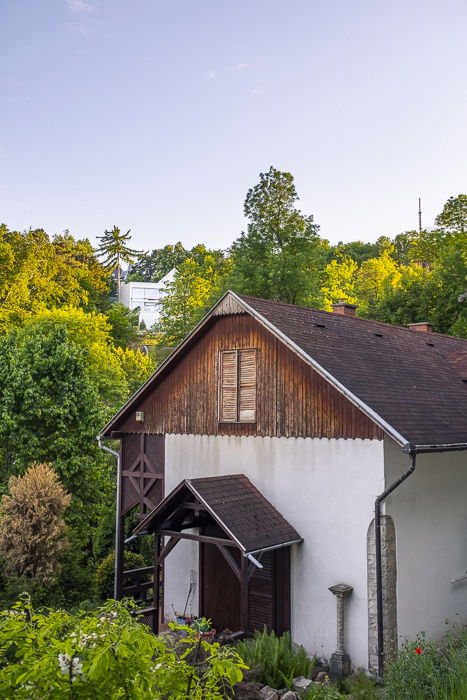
{"x": 280, "y": 256}
{"x": 38, "y": 273}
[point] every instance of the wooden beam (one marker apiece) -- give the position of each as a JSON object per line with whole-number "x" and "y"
{"x": 196, "y": 538}
{"x": 244, "y": 597}
{"x": 190, "y": 505}
{"x": 168, "y": 548}
{"x": 230, "y": 560}
{"x": 141, "y": 474}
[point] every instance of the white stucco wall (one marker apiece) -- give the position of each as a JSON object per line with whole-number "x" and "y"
{"x": 430, "y": 516}
{"x": 326, "y": 489}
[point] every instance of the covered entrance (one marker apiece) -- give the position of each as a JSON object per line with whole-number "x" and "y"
{"x": 244, "y": 550}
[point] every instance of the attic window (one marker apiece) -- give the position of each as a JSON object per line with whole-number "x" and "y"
{"x": 237, "y": 386}
{"x": 320, "y": 325}
{"x": 432, "y": 345}
{"x": 378, "y": 335}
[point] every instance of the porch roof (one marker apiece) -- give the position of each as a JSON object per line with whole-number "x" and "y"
{"x": 249, "y": 520}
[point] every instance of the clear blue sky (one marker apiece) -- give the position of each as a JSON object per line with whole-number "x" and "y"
{"x": 158, "y": 116}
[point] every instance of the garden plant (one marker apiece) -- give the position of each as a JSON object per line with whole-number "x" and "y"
{"x": 107, "y": 655}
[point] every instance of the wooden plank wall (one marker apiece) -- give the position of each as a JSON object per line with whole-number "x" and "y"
{"x": 293, "y": 400}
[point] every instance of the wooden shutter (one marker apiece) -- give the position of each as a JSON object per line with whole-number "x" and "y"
{"x": 247, "y": 386}
{"x": 228, "y": 386}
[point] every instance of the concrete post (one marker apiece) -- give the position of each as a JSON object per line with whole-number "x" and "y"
{"x": 340, "y": 661}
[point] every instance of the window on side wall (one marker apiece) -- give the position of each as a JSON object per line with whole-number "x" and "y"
{"x": 237, "y": 386}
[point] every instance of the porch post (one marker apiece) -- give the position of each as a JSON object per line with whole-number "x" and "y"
{"x": 244, "y": 597}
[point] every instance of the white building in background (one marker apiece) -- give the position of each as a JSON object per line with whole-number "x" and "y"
{"x": 146, "y": 296}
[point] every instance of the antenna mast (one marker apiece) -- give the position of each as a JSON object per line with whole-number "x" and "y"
{"x": 419, "y": 214}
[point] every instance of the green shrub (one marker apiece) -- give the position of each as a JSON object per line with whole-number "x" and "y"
{"x": 425, "y": 670}
{"x": 278, "y": 660}
{"x": 105, "y": 572}
{"x": 106, "y": 655}
{"x": 360, "y": 686}
{"x": 317, "y": 691}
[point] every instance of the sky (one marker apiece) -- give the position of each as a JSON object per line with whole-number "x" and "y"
{"x": 158, "y": 116}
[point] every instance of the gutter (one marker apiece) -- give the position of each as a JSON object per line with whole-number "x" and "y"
{"x": 412, "y": 451}
{"x": 118, "y": 570}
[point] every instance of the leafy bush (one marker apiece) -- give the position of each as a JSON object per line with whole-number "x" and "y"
{"x": 424, "y": 669}
{"x": 106, "y": 655}
{"x": 278, "y": 660}
{"x": 105, "y": 572}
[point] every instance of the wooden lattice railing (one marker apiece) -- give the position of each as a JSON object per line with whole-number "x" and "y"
{"x": 139, "y": 585}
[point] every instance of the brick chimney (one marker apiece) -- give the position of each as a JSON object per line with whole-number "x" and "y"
{"x": 424, "y": 327}
{"x": 344, "y": 309}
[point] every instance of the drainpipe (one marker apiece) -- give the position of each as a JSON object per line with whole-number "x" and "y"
{"x": 118, "y": 522}
{"x": 379, "y": 572}
{"x": 412, "y": 451}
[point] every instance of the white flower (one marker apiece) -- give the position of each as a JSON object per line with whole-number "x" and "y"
{"x": 72, "y": 667}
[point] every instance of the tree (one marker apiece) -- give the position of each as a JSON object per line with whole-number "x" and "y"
{"x": 124, "y": 323}
{"x": 280, "y": 256}
{"x": 355, "y": 250}
{"x": 153, "y": 266}
{"x": 115, "y": 251}
{"x": 339, "y": 282}
{"x": 50, "y": 412}
{"x": 37, "y": 273}
{"x": 454, "y": 215}
{"x": 32, "y": 526}
{"x": 197, "y": 282}
{"x": 136, "y": 365}
{"x": 373, "y": 278}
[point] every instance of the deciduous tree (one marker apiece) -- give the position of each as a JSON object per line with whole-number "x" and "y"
{"x": 190, "y": 294}
{"x": 280, "y": 256}
{"x": 153, "y": 266}
{"x": 38, "y": 273}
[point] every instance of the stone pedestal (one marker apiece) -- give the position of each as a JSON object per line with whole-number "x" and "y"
{"x": 340, "y": 665}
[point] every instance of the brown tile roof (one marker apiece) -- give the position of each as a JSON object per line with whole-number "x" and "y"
{"x": 234, "y": 503}
{"x": 411, "y": 379}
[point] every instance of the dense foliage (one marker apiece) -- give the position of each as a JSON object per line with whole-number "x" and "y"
{"x": 107, "y": 655}
{"x": 428, "y": 670}
{"x": 37, "y": 273}
{"x": 415, "y": 276}
{"x": 106, "y": 568}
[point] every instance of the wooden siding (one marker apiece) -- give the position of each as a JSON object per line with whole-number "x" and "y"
{"x": 293, "y": 400}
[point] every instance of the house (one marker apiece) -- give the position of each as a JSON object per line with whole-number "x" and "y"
{"x": 259, "y": 452}
{"x": 146, "y": 296}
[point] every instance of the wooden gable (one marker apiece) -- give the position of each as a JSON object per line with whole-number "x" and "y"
{"x": 292, "y": 399}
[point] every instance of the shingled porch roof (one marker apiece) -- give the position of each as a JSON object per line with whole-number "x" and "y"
{"x": 233, "y": 502}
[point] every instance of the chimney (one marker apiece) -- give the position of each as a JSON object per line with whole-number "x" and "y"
{"x": 424, "y": 327}
{"x": 344, "y": 309}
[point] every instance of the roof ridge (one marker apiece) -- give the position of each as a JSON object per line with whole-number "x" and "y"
{"x": 351, "y": 318}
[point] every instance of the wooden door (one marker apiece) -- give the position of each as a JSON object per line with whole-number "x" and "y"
{"x": 219, "y": 586}
{"x": 269, "y": 597}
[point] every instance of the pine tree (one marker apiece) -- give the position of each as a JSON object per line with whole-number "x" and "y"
{"x": 115, "y": 251}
